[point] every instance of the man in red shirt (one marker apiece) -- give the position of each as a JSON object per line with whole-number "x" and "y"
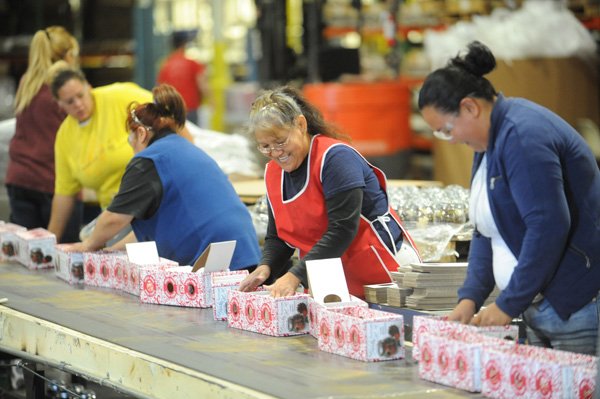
{"x": 185, "y": 74}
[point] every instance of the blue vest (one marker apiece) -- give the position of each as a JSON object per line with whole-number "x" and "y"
{"x": 198, "y": 206}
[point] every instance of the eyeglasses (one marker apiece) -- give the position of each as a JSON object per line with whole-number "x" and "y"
{"x": 267, "y": 149}
{"x": 445, "y": 132}
{"x": 138, "y": 121}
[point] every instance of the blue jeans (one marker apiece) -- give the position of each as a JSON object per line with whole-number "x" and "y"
{"x": 577, "y": 334}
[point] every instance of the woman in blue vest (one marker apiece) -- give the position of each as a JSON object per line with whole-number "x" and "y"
{"x": 173, "y": 193}
{"x": 325, "y": 200}
{"x": 535, "y": 204}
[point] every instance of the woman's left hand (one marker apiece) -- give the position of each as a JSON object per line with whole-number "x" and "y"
{"x": 491, "y": 316}
{"x": 286, "y": 285}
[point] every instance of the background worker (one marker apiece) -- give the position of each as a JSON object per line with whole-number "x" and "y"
{"x": 91, "y": 148}
{"x": 535, "y": 204}
{"x": 173, "y": 192}
{"x": 30, "y": 172}
{"x": 324, "y": 199}
{"x": 188, "y": 76}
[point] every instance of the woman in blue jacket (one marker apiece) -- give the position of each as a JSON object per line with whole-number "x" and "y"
{"x": 173, "y": 193}
{"x": 535, "y": 204}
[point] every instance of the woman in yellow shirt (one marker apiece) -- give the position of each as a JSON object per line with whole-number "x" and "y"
{"x": 91, "y": 148}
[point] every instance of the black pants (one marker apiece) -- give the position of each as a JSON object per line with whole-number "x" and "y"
{"x": 31, "y": 209}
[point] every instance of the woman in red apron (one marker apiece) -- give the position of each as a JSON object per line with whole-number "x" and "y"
{"x": 324, "y": 199}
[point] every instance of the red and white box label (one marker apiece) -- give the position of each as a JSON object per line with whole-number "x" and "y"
{"x": 314, "y": 306}
{"x": 361, "y": 333}
{"x": 178, "y": 286}
{"x": 259, "y": 312}
{"x": 221, "y": 284}
{"x": 104, "y": 269}
{"x": 441, "y": 326}
{"x": 131, "y": 274}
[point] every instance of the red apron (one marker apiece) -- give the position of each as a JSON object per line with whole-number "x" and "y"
{"x": 302, "y": 220}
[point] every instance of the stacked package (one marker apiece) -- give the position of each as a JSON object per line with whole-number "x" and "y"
{"x": 377, "y": 293}
{"x": 434, "y": 285}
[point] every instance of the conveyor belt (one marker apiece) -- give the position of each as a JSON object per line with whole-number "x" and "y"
{"x": 170, "y": 352}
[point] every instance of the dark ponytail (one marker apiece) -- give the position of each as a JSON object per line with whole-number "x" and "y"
{"x": 462, "y": 77}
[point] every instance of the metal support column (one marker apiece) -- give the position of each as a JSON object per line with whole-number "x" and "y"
{"x": 144, "y": 72}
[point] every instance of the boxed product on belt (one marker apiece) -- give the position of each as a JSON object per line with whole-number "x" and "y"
{"x": 259, "y": 312}
{"x": 440, "y": 326}
{"x": 131, "y": 274}
{"x": 221, "y": 283}
{"x": 104, "y": 269}
{"x": 8, "y": 240}
{"x": 584, "y": 381}
{"x": 179, "y": 286}
{"x": 361, "y": 333}
{"x": 68, "y": 265}
{"x": 36, "y": 248}
{"x": 453, "y": 358}
{"x": 315, "y": 307}
{"x": 535, "y": 372}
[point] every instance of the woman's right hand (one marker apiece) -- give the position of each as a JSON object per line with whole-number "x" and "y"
{"x": 255, "y": 279}
{"x": 463, "y": 312}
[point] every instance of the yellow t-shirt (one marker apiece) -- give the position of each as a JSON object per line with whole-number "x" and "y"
{"x": 94, "y": 155}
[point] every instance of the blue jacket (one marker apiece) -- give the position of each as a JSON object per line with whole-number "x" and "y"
{"x": 199, "y": 206}
{"x": 544, "y": 193}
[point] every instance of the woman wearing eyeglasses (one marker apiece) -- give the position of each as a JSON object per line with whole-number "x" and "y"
{"x": 535, "y": 204}
{"x": 325, "y": 200}
{"x": 173, "y": 193}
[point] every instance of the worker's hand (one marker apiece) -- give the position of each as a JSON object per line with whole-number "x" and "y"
{"x": 463, "y": 312}
{"x": 286, "y": 285}
{"x": 255, "y": 279}
{"x": 77, "y": 247}
{"x": 491, "y": 316}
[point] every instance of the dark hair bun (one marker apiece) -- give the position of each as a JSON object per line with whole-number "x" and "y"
{"x": 478, "y": 61}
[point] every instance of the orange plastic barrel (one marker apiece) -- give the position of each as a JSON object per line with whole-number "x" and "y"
{"x": 375, "y": 115}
